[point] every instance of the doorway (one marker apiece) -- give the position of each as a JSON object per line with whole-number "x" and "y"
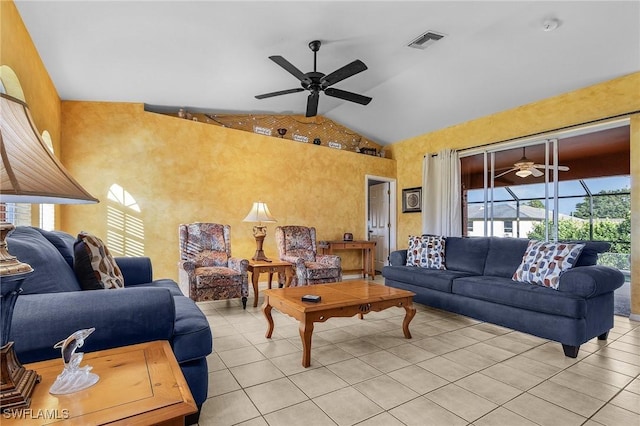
{"x": 380, "y": 220}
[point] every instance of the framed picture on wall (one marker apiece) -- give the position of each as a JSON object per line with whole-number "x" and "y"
{"x": 412, "y": 200}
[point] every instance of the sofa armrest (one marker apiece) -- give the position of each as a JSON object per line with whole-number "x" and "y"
{"x": 329, "y": 260}
{"x": 136, "y": 270}
{"x": 121, "y": 317}
{"x": 590, "y": 281}
{"x": 398, "y": 258}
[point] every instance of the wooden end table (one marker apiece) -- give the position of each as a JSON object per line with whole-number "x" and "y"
{"x": 139, "y": 384}
{"x": 257, "y": 267}
{"x": 342, "y": 299}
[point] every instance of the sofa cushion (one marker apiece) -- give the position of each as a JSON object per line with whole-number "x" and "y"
{"x": 94, "y": 266}
{"x": 436, "y": 279}
{"x": 426, "y": 251}
{"x": 192, "y": 335}
{"x": 521, "y": 295}
{"x": 169, "y": 284}
{"x": 543, "y": 262}
{"x": 466, "y": 254}
{"x": 504, "y": 256}
{"x": 51, "y": 272}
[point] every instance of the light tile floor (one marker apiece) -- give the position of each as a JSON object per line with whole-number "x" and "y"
{"x": 454, "y": 371}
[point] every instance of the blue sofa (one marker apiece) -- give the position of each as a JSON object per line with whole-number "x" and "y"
{"x": 477, "y": 282}
{"x": 53, "y": 305}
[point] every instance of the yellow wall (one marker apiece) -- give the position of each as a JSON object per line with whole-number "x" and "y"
{"x": 181, "y": 171}
{"x": 635, "y": 215}
{"x": 18, "y": 52}
{"x": 607, "y": 99}
{"x": 191, "y": 171}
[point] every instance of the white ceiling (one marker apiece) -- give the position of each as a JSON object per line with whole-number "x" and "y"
{"x": 213, "y": 55}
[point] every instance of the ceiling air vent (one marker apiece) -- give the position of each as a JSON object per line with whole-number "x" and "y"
{"x": 425, "y": 40}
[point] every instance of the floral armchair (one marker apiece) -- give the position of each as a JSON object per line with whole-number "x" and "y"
{"x": 206, "y": 269}
{"x": 297, "y": 245}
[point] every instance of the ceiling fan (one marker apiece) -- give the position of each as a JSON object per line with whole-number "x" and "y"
{"x": 317, "y": 82}
{"x": 525, "y": 167}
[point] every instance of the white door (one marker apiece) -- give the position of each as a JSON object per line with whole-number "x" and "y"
{"x": 379, "y": 221}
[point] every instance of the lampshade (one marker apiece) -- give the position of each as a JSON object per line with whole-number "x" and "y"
{"x": 30, "y": 172}
{"x": 259, "y": 213}
{"x": 524, "y": 173}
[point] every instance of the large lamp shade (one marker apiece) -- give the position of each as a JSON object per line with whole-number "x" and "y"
{"x": 30, "y": 172}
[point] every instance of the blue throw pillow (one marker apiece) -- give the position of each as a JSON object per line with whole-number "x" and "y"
{"x": 51, "y": 272}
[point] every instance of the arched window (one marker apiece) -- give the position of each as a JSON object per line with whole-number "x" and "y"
{"x": 125, "y": 229}
{"x": 15, "y": 213}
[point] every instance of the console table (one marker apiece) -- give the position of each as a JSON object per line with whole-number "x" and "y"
{"x": 139, "y": 384}
{"x": 368, "y": 249}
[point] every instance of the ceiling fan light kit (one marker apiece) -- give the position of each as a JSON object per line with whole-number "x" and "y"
{"x": 524, "y": 173}
{"x": 525, "y": 168}
{"x": 316, "y": 82}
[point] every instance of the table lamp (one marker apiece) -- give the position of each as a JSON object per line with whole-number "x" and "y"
{"x": 30, "y": 174}
{"x": 259, "y": 213}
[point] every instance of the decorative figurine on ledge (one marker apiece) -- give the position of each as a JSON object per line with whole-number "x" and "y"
{"x": 73, "y": 378}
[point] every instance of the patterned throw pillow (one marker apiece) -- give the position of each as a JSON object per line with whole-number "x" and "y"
{"x": 94, "y": 266}
{"x": 426, "y": 251}
{"x": 544, "y": 262}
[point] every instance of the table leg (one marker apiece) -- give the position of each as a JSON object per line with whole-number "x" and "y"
{"x": 266, "y": 310}
{"x": 372, "y": 257}
{"x": 255, "y": 276}
{"x": 410, "y": 313}
{"x": 306, "y": 329}
{"x": 288, "y": 274}
{"x": 270, "y": 278}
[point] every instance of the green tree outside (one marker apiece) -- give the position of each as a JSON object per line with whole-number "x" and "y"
{"x": 616, "y": 231}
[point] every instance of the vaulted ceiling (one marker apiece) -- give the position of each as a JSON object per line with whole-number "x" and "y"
{"x": 213, "y": 55}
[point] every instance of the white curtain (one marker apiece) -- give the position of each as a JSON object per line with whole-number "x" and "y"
{"x": 441, "y": 200}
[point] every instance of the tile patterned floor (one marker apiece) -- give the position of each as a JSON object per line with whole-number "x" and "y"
{"x": 455, "y": 371}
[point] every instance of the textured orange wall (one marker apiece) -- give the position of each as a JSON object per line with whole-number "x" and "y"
{"x": 618, "y": 96}
{"x": 607, "y": 99}
{"x": 635, "y": 215}
{"x": 181, "y": 171}
{"x": 18, "y": 52}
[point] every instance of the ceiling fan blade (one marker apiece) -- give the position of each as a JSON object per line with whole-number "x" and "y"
{"x": 281, "y": 92}
{"x": 560, "y": 168}
{"x": 312, "y": 104}
{"x": 513, "y": 169}
{"x": 290, "y": 68}
{"x": 535, "y": 172}
{"x": 345, "y": 72}
{"x": 348, "y": 96}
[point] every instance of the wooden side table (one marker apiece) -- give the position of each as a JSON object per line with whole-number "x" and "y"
{"x": 257, "y": 267}
{"x": 139, "y": 384}
{"x": 368, "y": 249}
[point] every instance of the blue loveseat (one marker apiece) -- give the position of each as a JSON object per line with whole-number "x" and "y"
{"x": 53, "y": 305}
{"x": 477, "y": 282}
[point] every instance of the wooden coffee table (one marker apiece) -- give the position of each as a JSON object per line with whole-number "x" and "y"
{"x": 342, "y": 299}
